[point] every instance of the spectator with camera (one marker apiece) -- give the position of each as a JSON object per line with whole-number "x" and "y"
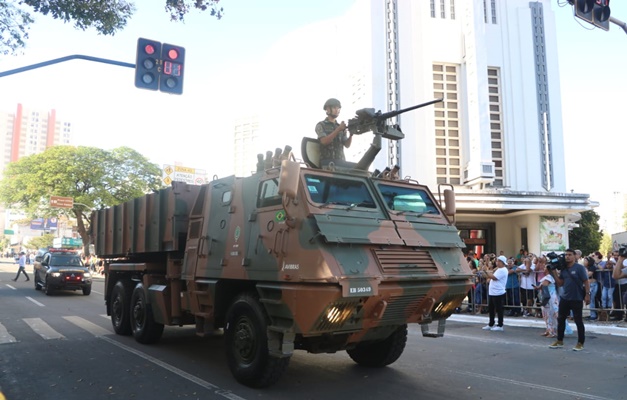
{"x": 496, "y": 293}
{"x": 573, "y": 278}
{"x": 608, "y": 283}
{"x": 512, "y": 289}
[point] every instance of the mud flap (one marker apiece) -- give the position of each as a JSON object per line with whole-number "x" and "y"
{"x": 439, "y": 333}
{"x": 280, "y": 342}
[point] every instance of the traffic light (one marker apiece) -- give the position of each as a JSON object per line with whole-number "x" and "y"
{"x": 596, "y": 12}
{"x": 172, "y": 68}
{"x": 147, "y": 64}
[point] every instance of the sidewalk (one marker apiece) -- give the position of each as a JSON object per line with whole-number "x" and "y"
{"x": 614, "y": 328}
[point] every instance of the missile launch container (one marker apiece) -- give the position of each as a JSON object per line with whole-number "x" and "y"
{"x": 289, "y": 258}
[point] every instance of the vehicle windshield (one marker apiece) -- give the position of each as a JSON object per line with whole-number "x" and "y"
{"x": 65, "y": 261}
{"x": 328, "y": 190}
{"x": 405, "y": 199}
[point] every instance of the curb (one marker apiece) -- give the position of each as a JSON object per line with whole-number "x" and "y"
{"x": 613, "y": 330}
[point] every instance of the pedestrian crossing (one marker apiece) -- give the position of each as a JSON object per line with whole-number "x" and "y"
{"x": 45, "y": 331}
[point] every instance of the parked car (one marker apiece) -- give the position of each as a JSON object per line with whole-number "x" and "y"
{"x": 61, "y": 269}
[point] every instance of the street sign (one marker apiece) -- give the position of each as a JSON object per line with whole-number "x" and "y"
{"x": 178, "y": 173}
{"x": 61, "y": 202}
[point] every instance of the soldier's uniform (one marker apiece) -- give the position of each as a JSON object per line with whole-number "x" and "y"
{"x": 335, "y": 150}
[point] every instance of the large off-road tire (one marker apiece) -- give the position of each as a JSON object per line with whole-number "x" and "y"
{"x": 246, "y": 339}
{"x": 380, "y": 354}
{"x": 145, "y": 329}
{"x": 121, "y": 307}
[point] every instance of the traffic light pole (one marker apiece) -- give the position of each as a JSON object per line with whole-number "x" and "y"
{"x": 620, "y": 23}
{"x": 67, "y": 58}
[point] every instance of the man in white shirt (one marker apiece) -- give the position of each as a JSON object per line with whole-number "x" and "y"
{"x": 496, "y": 293}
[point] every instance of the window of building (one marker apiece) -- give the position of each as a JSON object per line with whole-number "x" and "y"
{"x": 493, "y": 7}
{"x": 496, "y": 125}
{"x": 452, "y": 5}
{"x": 432, "y": 5}
{"x": 447, "y": 134}
{"x": 442, "y": 10}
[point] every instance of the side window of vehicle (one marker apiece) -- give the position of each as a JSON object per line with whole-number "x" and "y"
{"x": 46, "y": 259}
{"x": 269, "y": 194}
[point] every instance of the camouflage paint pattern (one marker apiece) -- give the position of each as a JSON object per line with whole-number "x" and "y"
{"x": 357, "y": 271}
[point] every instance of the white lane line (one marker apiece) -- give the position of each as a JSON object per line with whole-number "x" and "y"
{"x": 90, "y": 327}
{"x": 43, "y": 329}
{"x": 200, "y": 382}
{"x": 35, "y": 301}
{"x": 104, "y": 316}
{"x": 577, "y": 395}
{"x": 5, "y": 337}
{"x": 93, "y": 291}
{"x": 11, "y": 287}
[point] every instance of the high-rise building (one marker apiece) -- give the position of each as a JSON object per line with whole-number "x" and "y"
{"x": 497, "y": 136}
{"x": 246, "y": 145}
{"x": 26, "y": 132}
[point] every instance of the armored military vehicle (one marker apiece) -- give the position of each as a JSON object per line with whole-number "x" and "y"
{"x": 290, "y": 258}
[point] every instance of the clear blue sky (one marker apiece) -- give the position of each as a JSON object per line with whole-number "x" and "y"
{"x": 109, "y": 111}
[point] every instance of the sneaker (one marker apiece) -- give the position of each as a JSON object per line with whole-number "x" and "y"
{"x": 558, "y": 344}
{"x": 578, "y": 347}
{"x": 487, "y": 328}
{"x": 497, "y": 328}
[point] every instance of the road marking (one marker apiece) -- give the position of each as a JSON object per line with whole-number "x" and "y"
{"x": 200, "y": 382}
{"x": 90, "y": 327}
{"x": 35, "y": 301}
{"x": 11, "y": 287}
{"x": 5, "y": 337}
{"x": 104, "y": 316}
{"x": 43, "y": 329}
{"x": 93, "y": 291}
{"x": 570, "y": 393}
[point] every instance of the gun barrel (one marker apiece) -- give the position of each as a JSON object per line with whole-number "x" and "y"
{"x": 391, "y": 114}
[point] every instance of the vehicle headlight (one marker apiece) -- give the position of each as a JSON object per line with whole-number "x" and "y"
{"x": 86, "y": 275}
{"x": 55, "y": 274}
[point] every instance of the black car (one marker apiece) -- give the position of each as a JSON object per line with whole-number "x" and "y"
{"x": 61, "y": 269}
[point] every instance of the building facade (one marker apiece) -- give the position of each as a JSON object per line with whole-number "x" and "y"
{"x": 497, "y": 136}
{"x": 26, "y": 132}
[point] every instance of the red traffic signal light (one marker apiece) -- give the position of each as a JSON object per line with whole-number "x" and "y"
{"x": 173, "y": 59}
{"x": 147, "y": 64}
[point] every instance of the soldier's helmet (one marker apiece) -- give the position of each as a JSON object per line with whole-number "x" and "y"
{"x": 332, "y": 103}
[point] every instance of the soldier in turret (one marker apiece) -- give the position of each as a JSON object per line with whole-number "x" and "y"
{"x": 332, "y": 135}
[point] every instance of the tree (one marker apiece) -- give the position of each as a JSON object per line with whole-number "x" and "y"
{"x": 41, "y": 242}
{"x": 94, "y": 178}
{"x": 106, "y": 16}
{"x": 587, "y": 237}
{"x": 606, "y": 244}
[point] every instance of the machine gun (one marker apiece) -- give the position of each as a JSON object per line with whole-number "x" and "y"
{"x": 367, "y": 120}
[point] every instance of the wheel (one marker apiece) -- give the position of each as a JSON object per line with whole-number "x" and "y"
{"x": 246, "y": 340}
{"x": 121, "y": 307}
{"x": 380, "y": 354}
{"x": 87, "y": 290}
{"x": 145, "y": 329}
{"x": 47, "y": 288}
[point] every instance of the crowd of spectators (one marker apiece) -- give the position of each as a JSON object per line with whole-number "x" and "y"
{"x": 527, "y": 273}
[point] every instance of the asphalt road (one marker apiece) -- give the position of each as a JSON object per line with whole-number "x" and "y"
{"x": 63, "y": 347}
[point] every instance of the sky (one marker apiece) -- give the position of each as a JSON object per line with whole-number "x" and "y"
{"x": 236, "y": 66}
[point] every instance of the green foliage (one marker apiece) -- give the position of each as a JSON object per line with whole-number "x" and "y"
{"x": 14, "y": 25}
{"x": 94, "y": 178}
{"x": 606, "y": 244}
{"x": 106, "y": 16}
{"x": 40, "y": 242}
{"x": 587, "y": 237}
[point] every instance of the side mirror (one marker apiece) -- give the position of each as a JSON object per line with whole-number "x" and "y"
{"x": 288, "y": 179}
{"x": 449, "y": 203}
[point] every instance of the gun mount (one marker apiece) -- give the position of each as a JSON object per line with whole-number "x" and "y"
{"x": 367, "y": 120}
